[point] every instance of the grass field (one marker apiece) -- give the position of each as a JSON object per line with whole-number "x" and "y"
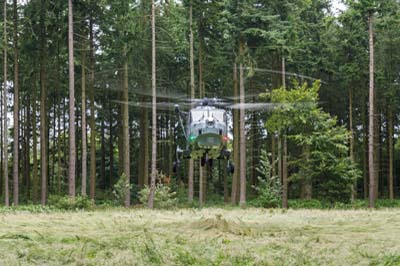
{"x": 201, "y": 237}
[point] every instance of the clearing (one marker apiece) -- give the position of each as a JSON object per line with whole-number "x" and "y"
{"x": 201, "y": 237}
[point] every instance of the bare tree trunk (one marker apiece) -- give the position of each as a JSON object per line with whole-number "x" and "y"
{"x": 242, "y": 142}
{"x": 125, "y": 128}
{"x": 72, "y": 151}
{"x": 371, "y": 165}
{"x": 5, "y": 113}
{"x": 284, "y": 174}
{"x": 279, "y": 159}
{"x": 154, "y": 110}
{"x": 1, "y": 143}
{"x": 92, "y": 118}
{"x": 354, "y": 189}
{"x": 35, "y": 177}
{"x": 225, "y": 175}
{"x": 103, "y": 155}
{"x": 273, "y": 155}
{"x": 390, "y": 151}
{"x": 283, "y": 72}
{"x": 146, "y": 149}
{"x": 201, "y": 185}
{"x": 84, "y": 126}
{"x": 111, "y": 145}
{"x": 43, "y": 106}
{"x": 192, "y": 95}
{"x": 27, "y": 146}
{"x": 365, "y": 147}
{"x": 16, "y": 110}
{"x": 284, "y": 165}
{"x": 236, "y": 158}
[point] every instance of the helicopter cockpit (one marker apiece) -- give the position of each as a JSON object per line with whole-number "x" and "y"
{"x": 207, "y": 119}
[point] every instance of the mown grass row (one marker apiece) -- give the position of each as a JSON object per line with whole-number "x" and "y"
{"x": 209, "y": 236}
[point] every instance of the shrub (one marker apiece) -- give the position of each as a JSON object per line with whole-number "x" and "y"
{"x": 68, "y": 203}
{"x": 122, "y": 188}
{"x": 269, "y": 187}
{"x": 164, "y": 198}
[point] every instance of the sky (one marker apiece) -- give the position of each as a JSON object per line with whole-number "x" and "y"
{"x": 337, "y": 6}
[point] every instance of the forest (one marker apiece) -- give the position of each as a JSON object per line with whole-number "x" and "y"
{"x": 88, "y": 89}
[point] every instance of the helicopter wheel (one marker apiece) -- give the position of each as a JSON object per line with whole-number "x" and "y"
{"x": 175, "y": 167}
{"x": 204, "y": 160}
{"x": 231, "y": 167}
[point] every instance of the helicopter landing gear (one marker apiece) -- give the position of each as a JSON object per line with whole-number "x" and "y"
{"x": 175, "y": 166}
{"x": 204, "y": 160}
{"x": 231, "y": 167}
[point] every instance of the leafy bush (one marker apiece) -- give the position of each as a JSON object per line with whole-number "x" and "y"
{"x": 164, "y": 198}
{"x": 269, "y": 187}
{"x": 122, "y": 188}
{"x": 68, "y": 203}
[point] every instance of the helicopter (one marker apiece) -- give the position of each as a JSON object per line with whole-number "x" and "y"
{"x": 206, "y": 134}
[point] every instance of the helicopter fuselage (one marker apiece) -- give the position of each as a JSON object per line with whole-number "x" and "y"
{"x": 207, "y": 130}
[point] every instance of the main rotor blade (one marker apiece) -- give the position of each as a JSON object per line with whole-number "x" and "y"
{"x": 162, "y": 95}
{"x": 165, "y": 106}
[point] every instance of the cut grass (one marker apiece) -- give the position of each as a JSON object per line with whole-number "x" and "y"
{"x": 201, "y": 237}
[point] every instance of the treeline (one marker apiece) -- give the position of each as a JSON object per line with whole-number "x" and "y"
{"x": 225, "y": 48}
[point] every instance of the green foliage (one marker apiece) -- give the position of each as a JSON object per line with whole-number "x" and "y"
{"x": 69, "y": 204}
{"x": 269, "y": 187}
{"x": 323, "y": 145}
{"x": 164, "y": 198}
{"x": 121, "y": 189}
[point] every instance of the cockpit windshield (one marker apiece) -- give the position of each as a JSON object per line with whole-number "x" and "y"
{"x": 197, "y": 115}
{"x": 218, "y": 115}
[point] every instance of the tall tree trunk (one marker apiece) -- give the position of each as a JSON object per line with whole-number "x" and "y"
{"x": 125, "y": 127}
{"x": 377, "y": 149}
{"x": 72, "y": 151}
{"x": 365, "y": 147}
{"x": 154, "y": 109}
{"x": 390, "y": 151}
{"x": 236, "y": 157}
{"x": 273, "y": 155}
{"x": 284, "y": 174}
{"x": 16, "y": 110}
{"x": 371, "y": 165}
{"x": 84, "y": 127}
{"x": 192, "y": 96}
{"x": 284, "y": 164}
{"x": 35, "y": 177}
{"x": 1, "y": 143}
{"x": 225, "y": 176}
{"x": 43, "y": 106}
{"x": 27, "y": 146}
{"x": 146, "y": 149}
{"x": 201, "y": 185}
{"x": 103, "y": 155}
{"x": 92, "y": 119}
{"x": 354, "y": 189}
{"x": 111, "y": 145}
{"x": 5, "y": 112}
{"x": 242, "y": 142}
